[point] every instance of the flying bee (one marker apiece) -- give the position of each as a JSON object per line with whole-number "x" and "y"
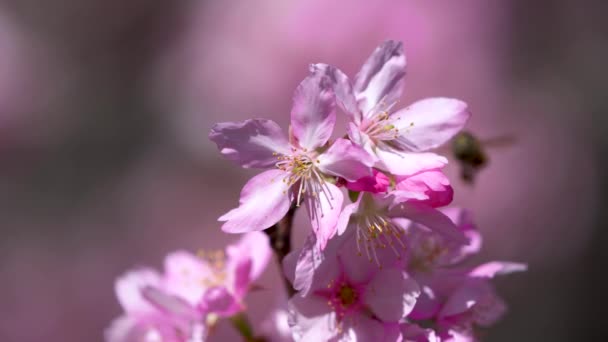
{"x": 470, "y": 152}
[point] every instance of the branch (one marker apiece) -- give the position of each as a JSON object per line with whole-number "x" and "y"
{"x": 280, "y": 241}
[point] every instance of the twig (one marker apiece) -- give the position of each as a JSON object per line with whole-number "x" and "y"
{"x": 280, "y": 241}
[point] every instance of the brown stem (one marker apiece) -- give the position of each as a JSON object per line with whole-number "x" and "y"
{"x": 280, "y": 241}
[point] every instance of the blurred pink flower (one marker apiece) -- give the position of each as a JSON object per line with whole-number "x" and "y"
{"x": 151, "y": 313}
{"x": 391, "y": 137}
{"x": 175, "y": 306}
{"x": 218, "y": 281}
{"x": 350, "y": 300}
{"x": 301, "y": 167}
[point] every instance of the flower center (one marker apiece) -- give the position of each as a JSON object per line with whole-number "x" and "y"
{"x": 375, "y": 231}
{"x": 302, "y": 172}
{"x": 342, "y": 297}
{"x": 426, "y": 255}
{"x": 347, "y": 295}
{"x": 216, "y": 260}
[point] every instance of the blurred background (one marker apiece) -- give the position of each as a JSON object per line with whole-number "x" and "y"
{"x": 105, "y": 164}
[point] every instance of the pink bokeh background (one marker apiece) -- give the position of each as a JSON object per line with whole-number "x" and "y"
{"x": 106, "y": 165}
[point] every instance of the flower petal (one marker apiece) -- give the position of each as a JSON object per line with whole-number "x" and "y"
{"x": 324, "y": 211}
{"x": 185, "y": 275}
{"x": 250, "y": 143}
{"x": 300, "y": 267}
{"x": 406, "y": 164}
{"x": 381, "y": 77}
{"x": 171, "y": 305}
{"x": 377, "y": 183}
{"x": 345, "y": 215}
{"x": 310, "y": 319}
{"x": 253, "y": 247}
{"x": 220, "y": 301}
{"x": 264, "y": 201}
{"x": 347, "y": 160}
{"x": 129, "y": 288}
{"x": 429, "y": 217}
{"x": 494, "y": 268}
{"x": 478, "y": 296}
{"x": 391, "y": 294}
{"x": 430, "y": 122}
{"x": 345, "y": 96}
{"x": 313, "y": 114}
{"x": 433, "y": 184}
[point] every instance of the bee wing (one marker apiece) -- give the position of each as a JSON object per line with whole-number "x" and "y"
{"x": 506, "y": 140}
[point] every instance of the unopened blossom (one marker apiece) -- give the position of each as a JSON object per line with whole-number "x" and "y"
{"x": 302, "y": 167}
{"x": 394, "y": 136}
{"x": 349, "y": 300}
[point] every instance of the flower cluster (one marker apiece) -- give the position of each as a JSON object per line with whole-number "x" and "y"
{"x": 384, "y": 260}
{"x": 184, "y": 302}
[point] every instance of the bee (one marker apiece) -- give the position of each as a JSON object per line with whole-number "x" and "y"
{"x": 470, "y": 153}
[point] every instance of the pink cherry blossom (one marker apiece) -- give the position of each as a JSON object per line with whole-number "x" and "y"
{"x": 176, "y": 305}
{"x": 217, "y": 281}
{"x": 152, "y": 314}
{"x": 377, "y": 220}
{"x": 393, "y": 136}
{"x": 301, "y": 166}
{"x": 349, "y": 300}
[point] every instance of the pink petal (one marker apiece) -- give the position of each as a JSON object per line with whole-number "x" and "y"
{"x": 242, "y": 278}
{"x": 313, "y": 114}
{"x": 300, "y": 267}
{"x": 347, "y": 160}
{"x": 433, "y": 184}
{"x": 377, "y": 183}
{"x": 121, "y": 329}
{"x": 253, "y": 247}
{"x": 311, "y": 319}
{"x": 364, "y": 328}
{"x": 381, "y": 77}
{"x": 430, "y": 122}
{"x": 324, "y": 212}
{"x": 414, "y": 333}
{"x": 477, "y": 296}
{"x": 185, "y": 275}
{"x": 220, "y": 301}
{"x": 345, "y": 97}
{"x": 429, "y": 217}
{"x": 391, "y": 295}
{"x": 170, "y": 305}
{"x": 345, "y": 215}
{"x": 407, "y": 164}
{"x": 250, "y": 143}
{"x": 264, "y": 201}
{"x": 129, "y": 288}
{"x": 494, "y": 268}
{"x": 464, "y": 221}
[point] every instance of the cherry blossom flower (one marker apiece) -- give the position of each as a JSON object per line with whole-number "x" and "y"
{"x": 217, "y": 281}
{"x": 393, "y": 137}
{"x": 152, "y": 314}
{"x": 302, "y": 167}
{"x": 350, "y": 300}
{"x": 193, "y": 291}
{"x": 377, "y": 220}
